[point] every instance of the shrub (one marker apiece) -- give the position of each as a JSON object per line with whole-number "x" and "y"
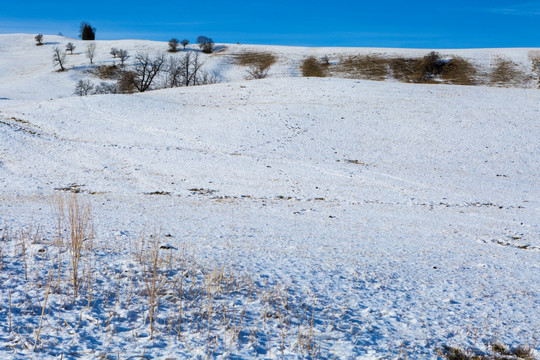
{"x": 506, "y": 73}
{"x": 126, "y": 83}
{"x": 313, "y": 68}
{"x": 110, "y": 72}
{"x": 106, "y": 88}
{"x": 184, "y": 43}
{"x": 459, "y": 71}
{"x": 114, "y": 52}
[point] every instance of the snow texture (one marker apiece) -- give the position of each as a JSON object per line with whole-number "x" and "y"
{"x": 327, "y": 218}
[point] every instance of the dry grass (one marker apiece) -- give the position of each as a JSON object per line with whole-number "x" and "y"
{"x": 312, "y": 67}
{"x": 151, "y": 291}
{"x": 367, "y": 67}
{"x": 459, "y": 71}
{"x": 432, "y": 68}
{"x": 257, "y": 62}
{"x": 497, "y": 352}
{"x": 107, "y": 72}
{"x": 506, "y": 73}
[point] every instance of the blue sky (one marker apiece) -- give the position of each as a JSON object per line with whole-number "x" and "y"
{"x": 392, "y": 23}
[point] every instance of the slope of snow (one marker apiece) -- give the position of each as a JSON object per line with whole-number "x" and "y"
{"x": 394, "y": 218}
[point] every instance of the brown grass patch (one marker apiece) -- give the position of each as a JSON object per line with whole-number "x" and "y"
{"x": 311, "y": 67}
{"x": 367, "y": 67}
{"x": 405, "y": 69}
{"x": 506, "y": 73}
{"x": 459, "y": 71}
{"x": 107, "y": 72}
{"x": 257, "y": 62}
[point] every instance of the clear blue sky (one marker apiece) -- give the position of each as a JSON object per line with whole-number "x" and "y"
{"x": 391, "y": 23}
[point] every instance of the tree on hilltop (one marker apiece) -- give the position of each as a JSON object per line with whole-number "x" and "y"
{"x": 206, "y": 44}
{"x": 87, "y": 31}
{"x": 39, "y": 39}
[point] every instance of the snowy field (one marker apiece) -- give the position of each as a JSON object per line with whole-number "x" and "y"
{"x": 280, "y": 218}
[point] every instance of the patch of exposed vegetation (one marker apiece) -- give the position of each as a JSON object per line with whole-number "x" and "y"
{"x": 506, "y": 73}
{"x": 497, "y": 352}
{"x": 432, "y": 68}
{"x": 257, "y": 62}
{"x": 313, "y": 67}
{"x": 107, "y": 72}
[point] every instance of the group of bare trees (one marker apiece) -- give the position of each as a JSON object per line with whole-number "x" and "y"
{"x": 59, "y": 56}
{"x": 152, "y": 72}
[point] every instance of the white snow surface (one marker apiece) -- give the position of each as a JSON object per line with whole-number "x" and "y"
{"x": 398, "y": 218}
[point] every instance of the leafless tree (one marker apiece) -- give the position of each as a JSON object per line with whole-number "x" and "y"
{"x": 187, "y": 71}
{"x": 114, "y": 52}
{"x": 91, "y": 52}
{"x": 123, "y": 56}
{"x": 39, "y": 39}
{"x": 184, "y": 43}
{"x": 190, "y": 65}
{"x": 173, "y": 45}
{"x": 83, "y": 88}
{"x": 146, "y": 69}
{"x": 174, "y": 73}
{"x": 59, "y": 58}
{"x": 70, "y": 47}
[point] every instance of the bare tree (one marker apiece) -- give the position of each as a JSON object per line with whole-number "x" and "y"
{"x": 173, "y": 45}
{"x": 83, "y": 88}
{"x": 187, "y": 71}
{"x": 114, "y": 52}
{"x": 146, "y": 69}
{"x": 91, "y": 52}
{"x": 70, "y": 47}
{"x": 174, "y": 73}
{"x": 123, "y": 56}
{"x": 184, "y": 43}
{"x": 39, "y": 39}
{"x": 59, "y": 58}
{"x": 190, "y": 66}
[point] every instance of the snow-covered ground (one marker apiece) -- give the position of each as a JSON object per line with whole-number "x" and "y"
{"x": 307, "y": 217}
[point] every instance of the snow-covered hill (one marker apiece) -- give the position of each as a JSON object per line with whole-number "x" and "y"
{"x": 29, "y": 73}
{"x": 324, "y": 218}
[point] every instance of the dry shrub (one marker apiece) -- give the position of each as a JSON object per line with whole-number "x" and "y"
{"x": 535, "y": 59}
{"x": 459, "y": 71}
{"x": 126, "y": 83}
{"x": 506, "y": 73}
{"x": 258, "y": 63}
{"x": 367, "y": 67}
{"x": 313, "y": 67}
{"x": 405, "y": 69}
{"x": 107, "y": 72}
{"x": 432, "y": 68}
